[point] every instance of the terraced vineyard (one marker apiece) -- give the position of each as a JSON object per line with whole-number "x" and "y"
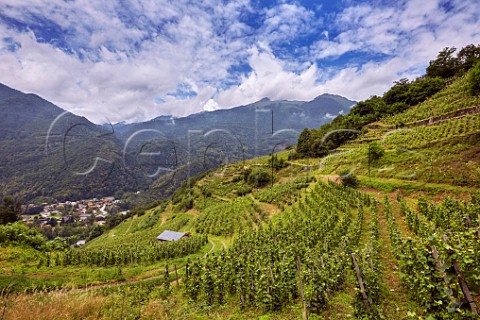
{"x": 421, "y": 136}
{"x": 454, "y": 97}
{"x": 306, "y": 256}
{"x": 134, "y": 242}
{"x": 283, "y": 193}
{"x": 230, "y": 217}
{"x": 312, "y": 239}
{"x": 132, "y": 252}
{"x": 439, "y": 261}
{"x": 129, "y": 232}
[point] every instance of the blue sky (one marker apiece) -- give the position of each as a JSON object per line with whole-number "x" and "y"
{"x": 132, "y": 60}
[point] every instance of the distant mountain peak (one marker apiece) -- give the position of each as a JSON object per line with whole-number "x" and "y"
{"x": 7, "y": 92}
{"x": 163, "y": 118}
{"x": 330, "y": 95}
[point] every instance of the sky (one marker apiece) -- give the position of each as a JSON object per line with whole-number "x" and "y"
{"x": 133, "y": 60}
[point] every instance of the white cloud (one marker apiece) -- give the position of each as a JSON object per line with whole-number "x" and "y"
{"x": 270, "y": 79}
{"x": 408, "y": 36}
{"x": 122, "y": 71}
{"x": 211, "y": 105}
{"x": 286, "y": 22}
{"x": 126, "y": 57}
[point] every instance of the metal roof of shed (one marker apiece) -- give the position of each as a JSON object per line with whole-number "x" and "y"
{"x": 169, "y": 235}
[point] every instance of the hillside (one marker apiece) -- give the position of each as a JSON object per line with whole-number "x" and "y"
{"x": 47, "y": 153}
{"x": 279, "y": 237}
{"x": 436, "y": 141}
{"x": 282, "y": 250}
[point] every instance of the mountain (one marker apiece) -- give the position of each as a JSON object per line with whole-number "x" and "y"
{"x": 257, "y": 126}
{"x": 331, "y": 104}
{"x": 47, "y": 151}
{"x": 7, "y": 92}
{"x": 183, "y": 147}
{"x": 265, "y": 238}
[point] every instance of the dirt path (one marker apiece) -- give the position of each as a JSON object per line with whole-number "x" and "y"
{"x": 402, "y": 225}
{"x": 130, "y": 225}
{"x": 211, "y": 249}
{"x": 397, "y": 299}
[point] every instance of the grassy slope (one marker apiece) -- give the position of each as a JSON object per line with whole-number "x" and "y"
{"x": 445, "y": 153}
{"x": 449, "y": 165}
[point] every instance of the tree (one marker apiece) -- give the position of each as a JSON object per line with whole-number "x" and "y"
{"x": 276, "y": 163}
{"x": 368, "y": 111}
{"x": 304, "y": 143}
{"x": 445, "y": 65}
{"x": 9, "y": 210}
{"x": 474, "y": 80}
{"x": 375, "y": 151}
{"x": 363, "y": 108}
{"x": 398, "y": 92}
{"x": 259, "y": 177}
{"x": 420, "y": 90}
{"x": 52, "y": 222}
{"x": 469, "y": 56}
{"x": 96, "y": 232}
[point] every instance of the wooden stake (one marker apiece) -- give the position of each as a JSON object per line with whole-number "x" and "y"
{"x": 268, "y": 282}
{"x": 439, "y": 266}
{"x": 464, "y": 286}
{"x": 360, "y": 282}
{"x": 469, "y": 223}
{"x": 300, "y": 284}
{"x": 463, "y": 283}
{"x": 439, "y": 263}
{"x": 242, "y": 291}
{"x": 326, "y": 288}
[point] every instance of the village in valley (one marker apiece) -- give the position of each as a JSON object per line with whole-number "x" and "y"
{"x": 91, "y": 211}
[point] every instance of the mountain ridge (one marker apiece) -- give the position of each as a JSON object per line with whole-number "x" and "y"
{"x": 53, "y": 152}
{"x": 165, "y": 117}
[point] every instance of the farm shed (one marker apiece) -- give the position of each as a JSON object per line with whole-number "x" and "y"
{"x": 169, "y": 235}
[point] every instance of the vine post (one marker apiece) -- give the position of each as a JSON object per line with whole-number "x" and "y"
{"x": 300, "y": 284}
{"x": 360, "y": 282}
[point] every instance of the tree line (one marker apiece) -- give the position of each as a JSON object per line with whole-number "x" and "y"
{"x": 401, "y": 96}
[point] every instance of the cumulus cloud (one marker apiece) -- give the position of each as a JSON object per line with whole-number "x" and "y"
{"x": 134, "y": 60}
{"x": 405, "y": 37}
{"x": 211, "y": 105}
{"x": 286, "y": 22}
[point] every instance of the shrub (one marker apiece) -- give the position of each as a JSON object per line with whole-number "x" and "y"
{"x": 259, "y": 177}
{"x": 186, "y": 204}
{"x": 246, "y": 174}
{"x": 244, "y": 190}
{"x": 19, "y": 234}
{"x": 277, "y": 163}
{"x": 349, "y": 179}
